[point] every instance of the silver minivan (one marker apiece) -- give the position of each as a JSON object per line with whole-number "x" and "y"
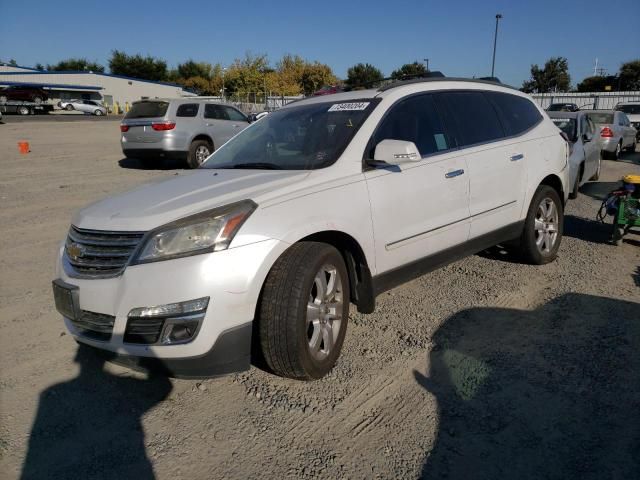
{"x": 188, "y": 129}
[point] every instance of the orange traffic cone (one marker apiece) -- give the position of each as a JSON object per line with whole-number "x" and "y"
{"x": 23, "y": 147}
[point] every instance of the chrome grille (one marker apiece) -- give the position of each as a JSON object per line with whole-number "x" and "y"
{"x": 98, "y": 253}
{"x": 97, "y": 326}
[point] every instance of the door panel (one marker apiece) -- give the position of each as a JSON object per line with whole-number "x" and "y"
{"x": 215, "y": 124}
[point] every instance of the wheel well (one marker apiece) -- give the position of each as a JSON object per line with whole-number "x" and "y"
{"x": 355, "y": 260}
{"x": 554, "y": 182}
{"x": 206, "y": 138}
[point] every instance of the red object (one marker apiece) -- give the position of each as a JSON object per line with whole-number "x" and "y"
{"x": 606, "y": 132}
{"x": 163, "y": 126}
{"x": 328, "y": 90}
{"x": 124, "y": 128}
{"x": 23, "y": 147}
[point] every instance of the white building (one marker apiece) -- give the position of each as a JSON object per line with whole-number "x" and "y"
{"x": 104, "y": 87}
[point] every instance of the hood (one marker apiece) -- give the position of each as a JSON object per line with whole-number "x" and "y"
{"x": 153, "y": 205}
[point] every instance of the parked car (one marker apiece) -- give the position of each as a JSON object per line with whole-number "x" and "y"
{"x": 563, "y": 107}
{"x": 188, "y": 129}
{"x": 23, "y": 93}
{"x": 632, "y": 111}
{"x": 614, "y": 132}
{"x": 328, "y": 90}
{"x": 257, "y": 116}
{"x": 584, "y": 152}
{"x": 87, "y": 106}
{"x": 325, "y": 202}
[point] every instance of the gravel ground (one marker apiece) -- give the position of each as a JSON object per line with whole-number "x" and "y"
{"x": 484, "y": 369}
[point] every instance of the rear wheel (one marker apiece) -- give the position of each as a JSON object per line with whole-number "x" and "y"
{"x": 198, "y": 153}
{"x": 69, "y": 107}
{"x": 304, "y": 311}
{"x": 3, "y": 98}
{"x": 37, "y": 100}
{"x": 616, "y": 153}
{"x": 543, "y": 227}
{"x": 24, "y": 110}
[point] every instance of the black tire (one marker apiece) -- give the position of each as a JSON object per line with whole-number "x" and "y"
{"x": 98, "y": 112}
{"x": 528, "y": 247}
{"x": 3, "y": 99}
{"x": 282, "y": 319}
{"x": 69, "y": 107}
{"x": 576, "y": 185}
{"x": 24, "y": 110}
{"x": 37, "y": 100}
{"x": 192, "y": 160}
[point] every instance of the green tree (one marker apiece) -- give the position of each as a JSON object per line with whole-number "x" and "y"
{"x": 362, "y": 75}
{"x": 315, "y": 76}
{"x": 13, "y": 62}
{"x": 246, "y": 75}
{"x": 39, "y": 66}
{"x": 409, "y": 70}
{"x": 598, "y": 83}
{"x": 75, "y": 64}
{"x": 147, "y": 68}
{"x": 630, "y": 75}
{"x": 553, "y": 77}
{"x": 191, "y": 69}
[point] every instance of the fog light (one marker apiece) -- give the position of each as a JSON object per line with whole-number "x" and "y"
{"x": 170, "y": 324}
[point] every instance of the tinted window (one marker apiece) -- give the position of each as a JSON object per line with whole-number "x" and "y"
{"x": 187, "y": 110}
{"x": 601, "y": 118}
{"x": 629, "y": 109}
{"x": 234, "y": 114}
{"x": 211, "y": 110}
{"x": 416, "y": 120}
{"x": 517, "y": 114}
{"x": 474, "y": 118}
{"x": 147, "y": 110}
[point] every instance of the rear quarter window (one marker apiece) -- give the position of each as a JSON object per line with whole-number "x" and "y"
{"x": 517, "y": 114}
{"x": 147, "y": 110}
{"x": 187, "y": 110}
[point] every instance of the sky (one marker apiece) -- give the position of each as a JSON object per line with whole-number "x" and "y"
{"x": 455, "y": 35}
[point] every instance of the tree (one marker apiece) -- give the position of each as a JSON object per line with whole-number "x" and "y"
{"x": 554, "y": 77}
{"x": 362, "y": 75}
{"x": 598, "y": 83}
{"x": 315, "y": 76}
{"x": 75, "y": 64}
{"x": 39, "y": 66}
{"x": 414, "y": 69}
{"x": 191, "y": 69}
{"x": 630, "y": 75}
{"x": 13, "y": 62}
{"x": 147, "y": 68}
{"x": 246, "y": 75}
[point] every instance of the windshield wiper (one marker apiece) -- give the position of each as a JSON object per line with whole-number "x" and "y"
{"x": 256, "y": 165}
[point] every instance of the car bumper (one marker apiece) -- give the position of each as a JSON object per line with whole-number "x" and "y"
{"x": 609, "y": 145}
{"x": 232, "y": 280}
{"x": 154, "y": 153}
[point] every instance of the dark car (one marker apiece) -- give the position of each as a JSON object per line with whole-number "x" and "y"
{"x": 23, "y": 93}
{"x": 563, "y": 107}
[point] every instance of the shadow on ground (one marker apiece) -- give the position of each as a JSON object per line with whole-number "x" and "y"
{"x": 550, "y": 393}
{"x": 90, "y": 427}
{"x": 593, "y": 231}
{"x": 159, "y": 164}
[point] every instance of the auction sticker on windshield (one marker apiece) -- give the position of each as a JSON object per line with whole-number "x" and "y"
{"x": 341, "y": 107}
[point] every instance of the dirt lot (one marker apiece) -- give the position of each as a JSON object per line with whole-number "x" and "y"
{"x": 484, "y": 369}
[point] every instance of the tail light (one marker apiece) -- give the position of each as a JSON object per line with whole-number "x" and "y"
{"x": 606, "y": 132}
{"x": 124, "y": 128}
{"x": 163, "y": 126}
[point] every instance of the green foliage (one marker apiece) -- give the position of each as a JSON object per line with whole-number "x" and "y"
{"x": 409, "y": 70}
{"x": 147, "y": 68}
{"x": 75, "y": 64}
{"x": 630, "y": 75}
{"x": 553, "y": 77}
{"x": 191, "y": 69}
{"x": 363, "y": 75}
{"x": 598, "y": 84}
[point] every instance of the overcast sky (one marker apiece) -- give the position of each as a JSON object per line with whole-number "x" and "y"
{"x": 456, "y": 36}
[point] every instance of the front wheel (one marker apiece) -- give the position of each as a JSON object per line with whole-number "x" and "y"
{"x": 69, "y": 107}
{"x": 198, "y": 153}
{"x": 543, "y": 227}
{"x": 24, "y": 110}
{"x": 304, "y": 311}
{"x": 98, "y": 113}
{"x": 37, "y": 100}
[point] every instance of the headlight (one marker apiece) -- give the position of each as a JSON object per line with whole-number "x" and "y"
{"x": 205, "y": 232}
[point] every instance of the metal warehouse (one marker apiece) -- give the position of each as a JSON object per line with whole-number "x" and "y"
{"x": 115, "y": 91}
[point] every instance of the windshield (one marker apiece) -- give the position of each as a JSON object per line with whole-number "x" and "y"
{"x": 147, "y": 110}
{"x": 306, "y": 137}
{"x": 601, "y": 118}
{"x": 567, "y": 125}
{"x": 629, "y": 109}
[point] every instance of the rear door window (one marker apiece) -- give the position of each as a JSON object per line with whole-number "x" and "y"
{"x": 472, "y": 116}
{"x": 415, "y": 119}
{"x": 187, "y": 110}
{"x": 147, "y": 110}
{"x": 517, "y": 114}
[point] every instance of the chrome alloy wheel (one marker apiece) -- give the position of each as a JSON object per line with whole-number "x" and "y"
{"x": 324, "y": 311}
{"x": 202, "y": 152}
{"x": 546, "y": 225}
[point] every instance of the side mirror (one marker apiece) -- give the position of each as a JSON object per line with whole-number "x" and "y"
{"x": 587, "y": 137}
{"x": 396, "y": 152}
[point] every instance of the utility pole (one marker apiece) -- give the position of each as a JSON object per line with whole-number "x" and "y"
{"x": 495, "y": 39}
{"x": 427, "y": 62}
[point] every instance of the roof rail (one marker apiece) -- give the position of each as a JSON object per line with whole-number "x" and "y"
{"x": 441, "y": 79}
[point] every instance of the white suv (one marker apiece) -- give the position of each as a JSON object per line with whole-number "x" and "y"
{"x": 326, "y": 202}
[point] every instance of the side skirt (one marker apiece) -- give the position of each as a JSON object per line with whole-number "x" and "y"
{"x": 398, "y": 276}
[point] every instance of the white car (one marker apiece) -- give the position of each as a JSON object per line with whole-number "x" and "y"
{"x": 326, "y": 202}
{"x": 86, "y": 106}
{"x": 632, "y": 111}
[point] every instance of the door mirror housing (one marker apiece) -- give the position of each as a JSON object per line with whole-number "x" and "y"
{"x": 396, "y": 152}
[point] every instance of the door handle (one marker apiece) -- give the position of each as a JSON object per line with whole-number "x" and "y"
{"x": 516, "y": 157}
{"x": 235, "y": 126}
{"x": 454, "y": 173}
{"x": 208, "y": 124}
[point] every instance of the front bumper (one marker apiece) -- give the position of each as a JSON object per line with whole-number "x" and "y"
{"x": 231, "y": 278}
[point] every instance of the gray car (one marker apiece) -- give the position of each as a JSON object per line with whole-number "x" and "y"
{"x": 614, "y": 132}
{"x": 187, "y": 129}
{"x": 584, "y": 151}
{"x": 86, "y": 106}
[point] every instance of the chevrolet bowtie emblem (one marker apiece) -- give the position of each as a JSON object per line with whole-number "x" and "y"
{"x": 75, "y": 251}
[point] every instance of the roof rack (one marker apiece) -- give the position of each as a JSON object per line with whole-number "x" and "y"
{"x": 421, "y": 79}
